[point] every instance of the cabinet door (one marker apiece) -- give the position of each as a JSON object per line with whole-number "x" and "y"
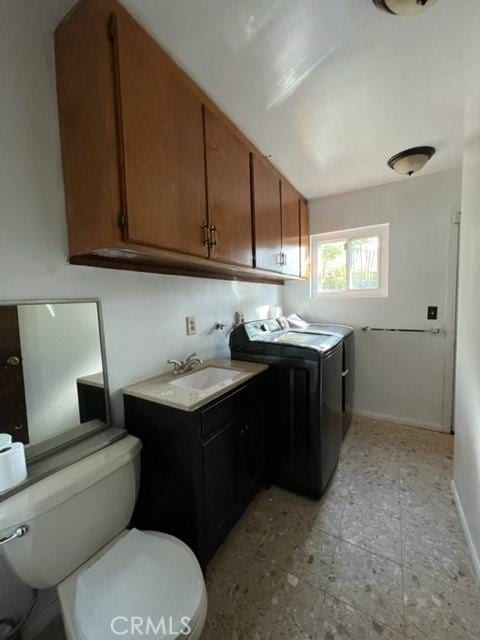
{"x": 228, "y": 188}
{"x": 13, "y": 410}
{"x": 220, "y": 472}
{"x": 290, "y": 230}
{"x": 267, "y": 216}
{"x": 251, "y": 452}
{"x": 304, "y": 240}
{"x": 162, "y": 148}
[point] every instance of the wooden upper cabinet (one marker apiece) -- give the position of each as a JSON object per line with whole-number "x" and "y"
{"x": 304, "y": 240}
{"x": 228, "y": 192}
{"x": 88, "y": 127}
{"x": 149, "y": 161}
{"x": 267, "y": 215}
{"x": 290, "y": 229}
{"x": 161, "y": 127}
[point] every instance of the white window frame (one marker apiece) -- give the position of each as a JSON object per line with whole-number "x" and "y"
{"x": 382, "y": 231}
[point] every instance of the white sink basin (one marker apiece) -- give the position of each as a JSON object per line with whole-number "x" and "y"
{"x": 207, "y": 378}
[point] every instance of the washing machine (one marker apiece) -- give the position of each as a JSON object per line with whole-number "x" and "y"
{"x": 306, "y": 419}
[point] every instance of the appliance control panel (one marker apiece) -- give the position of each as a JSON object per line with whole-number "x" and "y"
{"x": 259, "y": 329}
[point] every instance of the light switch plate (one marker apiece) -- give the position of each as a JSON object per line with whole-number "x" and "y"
{"x": 191, "y": 325}
{"x": 432, "y": 313}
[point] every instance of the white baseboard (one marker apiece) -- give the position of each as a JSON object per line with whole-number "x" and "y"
{"x": 463, "y": 520}
{"x": 411, "y": 422}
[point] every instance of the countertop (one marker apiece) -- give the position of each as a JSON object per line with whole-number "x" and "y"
{"x": 158, "y": 389}
{"x": 94, "y": 380}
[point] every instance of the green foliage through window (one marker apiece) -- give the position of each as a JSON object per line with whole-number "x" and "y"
{"x": 332, "y": 262}
{"x": 364, "y": 263}
{"x": 355, "y": 261}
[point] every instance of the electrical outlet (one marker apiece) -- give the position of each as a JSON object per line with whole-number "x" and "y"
{"x": 432, "y": 313}
{"x": 191, "y": 325}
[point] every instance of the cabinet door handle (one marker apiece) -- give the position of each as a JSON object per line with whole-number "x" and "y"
{"x": 280, "y": 258}
{"x": 284, "y": 259}
{"x": 13, "y": 361}
{"x": 206, "y": 236}
{"x": 213, "y": 236}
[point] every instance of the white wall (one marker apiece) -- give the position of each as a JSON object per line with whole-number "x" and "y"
{"x": 60, "y": 343}
{"x": 467, "y": 387}
{"x": 399, "y": 376}
{"x": 144, "y": 314}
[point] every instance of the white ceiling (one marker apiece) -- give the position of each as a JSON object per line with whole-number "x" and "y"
{"x": 330, "y": 88}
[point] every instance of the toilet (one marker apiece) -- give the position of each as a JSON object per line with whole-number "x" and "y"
{"x": 111, "y": 582}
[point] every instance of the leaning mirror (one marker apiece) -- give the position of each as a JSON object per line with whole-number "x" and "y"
{"x": 53, "y": 382}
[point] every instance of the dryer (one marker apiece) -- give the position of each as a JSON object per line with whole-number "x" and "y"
{"x": 296, "y": 322}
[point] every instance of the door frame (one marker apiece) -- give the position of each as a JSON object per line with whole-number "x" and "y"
{"x": 451, "y": 303}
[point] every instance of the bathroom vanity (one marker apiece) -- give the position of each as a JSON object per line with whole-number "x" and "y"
{"x": 203, "y": 456}
{"x": 91, "y": 397}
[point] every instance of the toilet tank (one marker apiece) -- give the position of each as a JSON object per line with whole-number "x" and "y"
{"x": 71, "y": 514}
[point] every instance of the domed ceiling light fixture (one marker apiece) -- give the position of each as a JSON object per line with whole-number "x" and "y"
{"x": 403, "y": 7}
{"x": 408, "y": 162}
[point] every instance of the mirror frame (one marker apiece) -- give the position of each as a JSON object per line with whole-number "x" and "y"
{"x": 74, "y": 435}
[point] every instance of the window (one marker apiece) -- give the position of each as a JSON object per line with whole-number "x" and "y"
{"x": 351, "y": 263}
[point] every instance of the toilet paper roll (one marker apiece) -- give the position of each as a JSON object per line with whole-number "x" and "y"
{"x": 13, "y": 467}
{"x": 5, "y": 440}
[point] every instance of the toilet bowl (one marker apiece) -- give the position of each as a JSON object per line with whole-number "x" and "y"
{"x": 141, "y": 584}
{"x": 111, "y": 582}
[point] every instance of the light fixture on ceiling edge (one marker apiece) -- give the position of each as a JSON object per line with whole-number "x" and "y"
{"x": 408, "y": 162}
{"x": 403, "y": 7}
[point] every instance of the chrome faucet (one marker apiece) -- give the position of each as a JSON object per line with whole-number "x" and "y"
{"x": 182, "y": 366}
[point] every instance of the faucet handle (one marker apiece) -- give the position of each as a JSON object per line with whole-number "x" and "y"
{"x": 190, "y": 357}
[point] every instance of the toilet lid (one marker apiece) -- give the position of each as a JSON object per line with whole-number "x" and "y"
{"x": 146, "y": 585}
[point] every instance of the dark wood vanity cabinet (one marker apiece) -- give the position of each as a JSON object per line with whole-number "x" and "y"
{"x": 91, "y": 402}
{"x": 234, "y": 460}
{"x": 200, "y": 469}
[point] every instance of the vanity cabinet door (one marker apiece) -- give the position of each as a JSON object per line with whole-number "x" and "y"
{"x": 220, "y": 484}
{"x": 251, "y": 452}
{"x": 161, "y": 123}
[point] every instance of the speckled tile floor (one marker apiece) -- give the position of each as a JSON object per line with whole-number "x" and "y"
{"x": 382, "y": 556}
